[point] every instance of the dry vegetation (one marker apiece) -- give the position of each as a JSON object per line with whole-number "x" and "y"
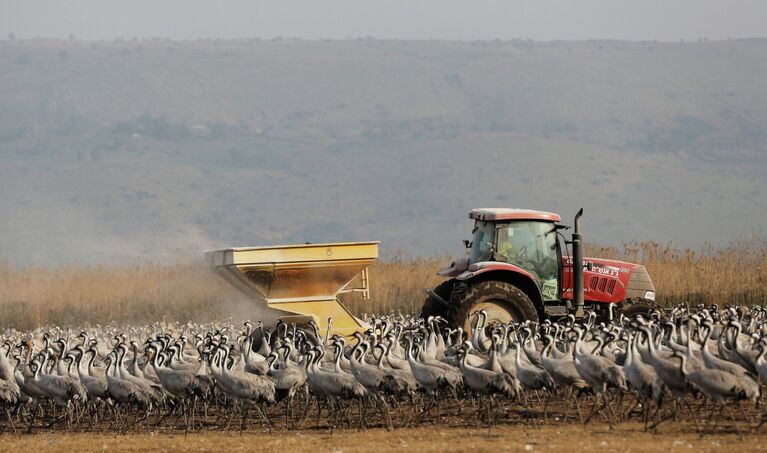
{"x": 736, "y": 274}
{"x": 73, "y": 295}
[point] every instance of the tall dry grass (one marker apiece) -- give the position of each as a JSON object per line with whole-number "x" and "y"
{"x": 78, "y": 295}
{"x": 397, "y": 285}
{"x": 735, "y": 274}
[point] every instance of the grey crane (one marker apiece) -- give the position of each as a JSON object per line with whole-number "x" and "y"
{"x": 486, "y": 383}
{"x": 62, "y": 390}
{"x": 123, "y": 393}
{"x": 244, "y": 387}
{"x": 672, "y": 378}
{"x": 334, "y": 385}
{"x": 183, "y": 384}
{"x": 719, "y": 386}
{"x": 562, "y": 371}
{"x": 642, "y": 378}
{"x": 713, "y": 362}
{"x": 600, "y": 373}
{"x": 373, "y": 378}
{"x": 288, "y": 378}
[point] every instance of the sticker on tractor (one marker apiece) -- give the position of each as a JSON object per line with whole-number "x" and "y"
{"x": 607, "y": 270}
{"x": 549, "y": 289}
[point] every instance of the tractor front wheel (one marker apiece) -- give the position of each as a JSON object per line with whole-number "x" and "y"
{"x": 502, "y": 301}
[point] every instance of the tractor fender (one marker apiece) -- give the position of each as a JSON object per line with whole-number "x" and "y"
{"x": 456, "y": 268}
{"x": 494, "y": 270}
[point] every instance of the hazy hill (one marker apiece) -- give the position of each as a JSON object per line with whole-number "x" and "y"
{"x": 160, "y": 149}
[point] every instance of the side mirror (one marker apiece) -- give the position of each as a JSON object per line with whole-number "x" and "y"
{"x": 467, "y": 243}
{"x": 589, "y": 266}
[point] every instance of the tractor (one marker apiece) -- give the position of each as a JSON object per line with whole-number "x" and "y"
{"x": 517, "y": 268}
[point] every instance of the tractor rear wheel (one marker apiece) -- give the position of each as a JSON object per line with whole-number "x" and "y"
{"x": 435, "y": 307}
{"x": 502, "y": 301}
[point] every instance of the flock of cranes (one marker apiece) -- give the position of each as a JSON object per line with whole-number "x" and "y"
{"x": 675, "y": 364}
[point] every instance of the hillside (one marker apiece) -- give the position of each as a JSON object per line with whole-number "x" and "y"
{"x": 127, "y": 150}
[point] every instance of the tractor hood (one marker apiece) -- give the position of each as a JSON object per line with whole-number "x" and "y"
{"x": 610, "y": 281}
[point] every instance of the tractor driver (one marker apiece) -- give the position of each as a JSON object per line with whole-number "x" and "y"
{"x": 515, "y": 242}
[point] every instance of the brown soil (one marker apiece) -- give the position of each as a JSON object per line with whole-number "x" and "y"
{"x": 627, "y": 437}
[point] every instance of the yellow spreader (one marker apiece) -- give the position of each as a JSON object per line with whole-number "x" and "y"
{"x": 303, "y": 279}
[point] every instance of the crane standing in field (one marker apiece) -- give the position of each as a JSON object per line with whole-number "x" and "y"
{"x": 243, "y": 387}
{"x": 600, "y": 373}
{"x": 289, "y": 378}
{"x": 719, "y": 386}
{"x": 484, "y": 382}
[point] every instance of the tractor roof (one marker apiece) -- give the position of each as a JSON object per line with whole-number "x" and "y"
{"x": 494, "y": 214}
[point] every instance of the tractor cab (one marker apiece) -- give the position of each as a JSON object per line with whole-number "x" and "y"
{"x": 526, "y": 239}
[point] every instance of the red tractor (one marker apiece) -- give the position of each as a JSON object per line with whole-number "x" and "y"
{"x": 518, "y": 269}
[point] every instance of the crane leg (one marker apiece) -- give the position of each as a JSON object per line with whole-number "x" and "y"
{"x": 637, "y": 402}
{"x": 734, "y": 422}
{"x": 692, "y": 413}
{"x": 307, "y": 405}
{"x": 287, "y": 410}
{"x": 457, "y": 402}
{"x": 546, "y": 407}
{"x": 10, "y": 419}
{"x": 262, "y": 412}
{"x": 718, "y": 417}
{"x": 363, "y": 424}
{"x": 185, "y": 410}
{"x": 610, "y": 412}
{"x": 244, "y": 415}
{"x": 319, "y": 409}
{"x": 385, "y": 412}
{"x": 743, "y": 413}
{"x": 578, "y": 406}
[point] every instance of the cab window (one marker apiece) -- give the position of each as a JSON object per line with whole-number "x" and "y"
{"x": 532, "y": 246}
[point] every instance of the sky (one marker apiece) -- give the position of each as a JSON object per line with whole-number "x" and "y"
{"x": 541, "y": 20}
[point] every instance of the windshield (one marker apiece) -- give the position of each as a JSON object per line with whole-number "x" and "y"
{"x": 528, "y": 244}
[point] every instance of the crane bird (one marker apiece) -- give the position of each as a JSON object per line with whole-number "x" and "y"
{"x": 244, "y": 387}
{"x": 563, "y": 372}
{"x": 486, "y": 383}
{"x": 672, "y": 378}
{"x": 642, "y": 378}
{"x": 62, "y": 390}
{"x": 600, "y": 373}
{"x": 288, "y": 378}
{"x": 719, "y": 386}
{"x": 334, "y": 385}
{"x": 182, "y": 384}
{"x": 433, "y": 375}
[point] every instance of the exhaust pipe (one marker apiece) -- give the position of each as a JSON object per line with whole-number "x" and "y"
{"x": 578, "y": 266}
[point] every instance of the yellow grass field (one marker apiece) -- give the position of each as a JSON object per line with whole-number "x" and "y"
{"x": 78, "y": 295}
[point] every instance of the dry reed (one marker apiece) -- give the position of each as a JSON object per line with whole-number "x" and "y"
{"x": 78, "y": 295}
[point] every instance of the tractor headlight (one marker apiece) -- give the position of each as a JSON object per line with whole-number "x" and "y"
{"x": 650, "y": 295}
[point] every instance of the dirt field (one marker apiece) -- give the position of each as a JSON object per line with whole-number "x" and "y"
{"x": 571, "y": 438}
{"x": 515, "y": 429}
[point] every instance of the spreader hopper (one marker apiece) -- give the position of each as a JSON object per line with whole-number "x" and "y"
{"x": 303, "y": 279}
